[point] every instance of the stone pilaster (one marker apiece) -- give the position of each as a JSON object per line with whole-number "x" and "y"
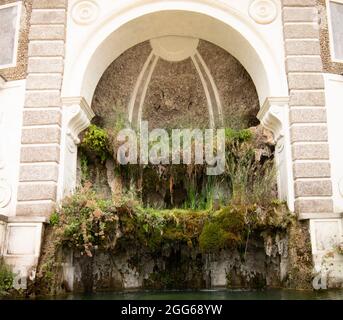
{"x": 41, "y": 133}
{"x": 77, "y": 116}
{"x": 308, "y": 121}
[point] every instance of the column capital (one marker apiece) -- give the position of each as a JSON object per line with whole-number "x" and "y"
{"x": 273, "y": 115}
{"x": 77, "y": 116}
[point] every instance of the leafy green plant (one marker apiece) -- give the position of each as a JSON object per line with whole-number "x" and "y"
{"x": 54, "y": 219}
{"x": 6, "y": 277}
{"x": 96, "y": 141}
{"x": 240, "y": 136}
{"x": 86, "y": 222}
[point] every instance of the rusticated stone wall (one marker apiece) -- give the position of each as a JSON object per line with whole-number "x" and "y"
{"x": 309, "y": 133}
{"x": 40, "y": 151}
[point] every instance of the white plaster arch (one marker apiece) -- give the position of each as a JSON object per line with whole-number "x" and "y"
{"x": 134, "y": 21}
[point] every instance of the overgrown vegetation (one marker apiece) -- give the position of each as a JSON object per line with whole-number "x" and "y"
{"x": 166, "y": 206}
{"x": 6, "y": 278}
{"x": 85, "y": 222}
{"x": 96, "y": 140}
{"x": 249, "y": 175}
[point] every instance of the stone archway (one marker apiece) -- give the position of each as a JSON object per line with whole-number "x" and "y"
{"x": 262, "y": 35}
{"x": 219, "y": 24}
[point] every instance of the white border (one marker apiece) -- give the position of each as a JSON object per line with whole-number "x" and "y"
{"x": 38, "y": 228}
{"x": 313, "y": 223}
{"x": 16, "y": 36}
{"x": 332, "y": 46}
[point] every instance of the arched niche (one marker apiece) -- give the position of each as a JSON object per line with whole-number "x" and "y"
{"x": 214, "y": 22}
{"x": 229, "y": 30}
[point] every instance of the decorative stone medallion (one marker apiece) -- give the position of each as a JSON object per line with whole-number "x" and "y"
{"x": 85, "y": 12}
{"x": 263, "y": 11}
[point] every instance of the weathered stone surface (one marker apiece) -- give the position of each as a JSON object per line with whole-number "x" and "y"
{"x": 41, "y": 135}
{"x": 312, "y": 170}
{"x": 314, "y": 205}
{"x": 299, "y": 3}
{"x": 45, "y": 32}
{"x": 45, "y": 81}
{"x": 301, "y": 31}
{"x": 307, "y": 98}
{"x": 308, "y": 115}
{"x": 309, "y": 133}
{"x": 305, "y": 81}
{"x": 317, "y": 151}
{"x": 41, "y": 117}
{"x": 175, "y": 96}
{"x": 46, "y": 48}
{"x": 292, "y": 14}
{"x": 43, "y": 208}
{"x": 44, "y": 65}
{"x": 39, "y": 99}
{"x": 35, "y": 172}
{"x": 301, "y": 64}
{"x": 302, "y": 47}
{"x": 47, "y": 4}
{"x": 40, "y": 154}
{"x": 37, "y": 191}
{"x": 48, "y": 16}
{"x": 311, "y": 188}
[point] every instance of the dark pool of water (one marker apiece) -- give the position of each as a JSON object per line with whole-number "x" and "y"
{"x": 221, "y": 294}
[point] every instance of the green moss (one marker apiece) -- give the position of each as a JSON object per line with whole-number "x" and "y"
{"x": 227, "y": 228}
{"x": 213, "y": 238}
{"x": 86, "y": 221}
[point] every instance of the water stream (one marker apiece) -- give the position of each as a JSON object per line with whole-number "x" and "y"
{"x": 219, "y": 294}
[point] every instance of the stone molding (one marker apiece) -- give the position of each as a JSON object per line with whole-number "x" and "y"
{"x": 273, "y": 116}
{"x": 78, "y": 115}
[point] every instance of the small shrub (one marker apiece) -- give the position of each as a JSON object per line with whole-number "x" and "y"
{"x": 6, "y": 277}
{"x": 240, "y": 136}
{"x": 96, "y": 141}
{"x": 86, "y": 222}
{"x": 54, "y": 219}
